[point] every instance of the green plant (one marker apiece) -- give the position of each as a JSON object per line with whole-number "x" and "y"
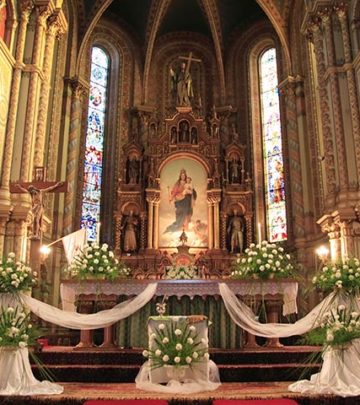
{"x": 15, "y": 276}
{"x": 98, "y": 262}
{"x": 343, "y": 275}
{"x": 181, "y": 272}
{"x": 338, "y": 328}
{"x": 176, "y": 344}
{"x": 16, "y": 329}
{"x": 263, "y": 261}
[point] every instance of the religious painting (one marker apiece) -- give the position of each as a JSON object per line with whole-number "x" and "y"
{"x": 183, "y": 203}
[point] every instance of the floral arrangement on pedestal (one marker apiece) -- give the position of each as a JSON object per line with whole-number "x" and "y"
{"x": 15, "y": 276}
{"x": 16, "y": 330}
{"x": 340, "y": 276}
{"x": 96, "y": 261}
{"x": 176, "y": 344}
{"x": 180, "y": 272}
{"x": 264, "y": 261}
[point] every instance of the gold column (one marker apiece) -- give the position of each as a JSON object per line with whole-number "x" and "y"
{"x": 2, "y": 235}
{"x": 42, "y": 16}
{"x": 79, "y": 91}
{"x": 26, "y": 7}
{"x": 150, "y": 222}
{"x": 142, "y": 230}
{"x": 330, "y": 171}
{"x": 336, "y": 102}
{"x": 210, "y": 222}
{"x": 350, "y": 75}
{"x": 216, "y": 223}
{"x": 55, "y": 28}
{"x": 156, "y": 223}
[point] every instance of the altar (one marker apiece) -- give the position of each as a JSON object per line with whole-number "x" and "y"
{"x": 186, "y": 297}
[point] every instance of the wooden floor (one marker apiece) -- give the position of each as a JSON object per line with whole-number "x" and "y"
{"x": 78, "y": 393}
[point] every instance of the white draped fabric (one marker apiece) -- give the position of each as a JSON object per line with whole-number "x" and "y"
{"x": 101, "y": 319}
{"x": 243, "y": 316}
{"x": 197, "y": 383}
{"x": 339, "y": 375}
{"x": 16, "y": 377}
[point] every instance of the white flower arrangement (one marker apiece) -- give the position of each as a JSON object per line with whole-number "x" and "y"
{"x": 176, "y": 344}
{"x": 344, "y": 276}
{"x": 263, "y": 261}
{"x": 15, "y": 276}
{"x": 96, "y": 261}
{"x": 15, "y": 328}
{"x": 180, "y": 272}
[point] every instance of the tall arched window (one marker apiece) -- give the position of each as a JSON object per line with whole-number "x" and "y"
{"x": 272, "y": 148}
{"x": 93, "y": 160}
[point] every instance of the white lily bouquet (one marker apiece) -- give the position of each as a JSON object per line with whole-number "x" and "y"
{"x": 15, "y": 276}
{"x": 181, "y": 272}
{"x": 16, "y": 330}
{"x": 176, "y": 344}
{"x": 340, "y": 276}
{"x": 96, "y": 261}
{"x": 263, "y": 261}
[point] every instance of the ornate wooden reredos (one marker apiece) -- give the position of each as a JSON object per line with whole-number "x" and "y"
{"x": 184, "y": 134}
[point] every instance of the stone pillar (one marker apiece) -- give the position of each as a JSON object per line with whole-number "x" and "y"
{"x": 26, "y": 7}
{"x": 336, "y": 102}
{"x": 54, "y": 29}
{"x": 216, "y": 223}
{"x": 33, "y": 95}
{"x": 223, "y": 230}
{"x": 330, "y": 171}
{"x": 156, "y": 223}
{"x": 347, "y": 240}
{"x": 79, "y": 92}
{"x": 351, "y": 81}
{"x": 249, "y": 232}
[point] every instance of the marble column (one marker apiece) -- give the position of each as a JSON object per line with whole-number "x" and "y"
{"x": 150, "y": 223}
{"x": 216, "y": 223}
{"x": 210, "y": 223}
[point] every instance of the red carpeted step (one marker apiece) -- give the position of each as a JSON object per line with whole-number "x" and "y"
{"x": 278, "y": 401}
{"x": 127, "y": 402}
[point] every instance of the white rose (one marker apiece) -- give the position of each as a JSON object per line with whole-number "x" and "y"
{"x": 177, "y": 359}
{"x": 158, "y": 352}
{"x": 165, "y": 358}
{"x": 188, "y": 359}
{"x": 190, "y": 340}
{"x": 258, "y": 261}
{"x": 165, "y": 340}
{"x": 192, "y": 328}
{"x": 195, "y": 355}
{"x": 145, "y": 353}
{"x": 22, "y": 345}
{"x": 96, "y": 261}
{"x": 178, "y": 346}
{"x": 178, "y": 332}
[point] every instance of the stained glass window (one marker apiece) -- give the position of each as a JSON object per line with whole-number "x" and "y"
{"x": 272, "y": 149}
{"x": 93, "y": 160}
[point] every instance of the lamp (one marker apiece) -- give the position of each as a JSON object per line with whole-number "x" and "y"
{"x": 322, "y": 253}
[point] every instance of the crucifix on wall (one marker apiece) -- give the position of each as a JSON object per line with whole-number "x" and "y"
{"x": 37, "y": 188}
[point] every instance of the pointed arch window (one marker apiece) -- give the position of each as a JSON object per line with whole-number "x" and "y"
{"x": 272, "y": 148}
{"x": 94, "y": 147}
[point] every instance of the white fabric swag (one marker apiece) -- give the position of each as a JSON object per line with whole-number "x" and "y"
{"x": 243, "y": 316}
{"x": 101, "y": 319}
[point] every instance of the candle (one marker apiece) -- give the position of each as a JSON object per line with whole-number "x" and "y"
{"x": 259, "y": 232}
{"x": 98, "y": 224}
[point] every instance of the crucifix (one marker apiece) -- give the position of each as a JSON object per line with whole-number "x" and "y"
{"x": 36, "y": 189}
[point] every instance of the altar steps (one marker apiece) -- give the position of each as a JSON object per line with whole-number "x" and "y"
{"x": 93, "y": 365}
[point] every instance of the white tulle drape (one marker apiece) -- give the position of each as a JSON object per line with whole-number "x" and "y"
{"x": 197, "y": 383}
{"x": 16, "y": 377}
{"x": 339, "y": 375}
{"x": 243, "y": 316}
{"x": 101, "y": 319}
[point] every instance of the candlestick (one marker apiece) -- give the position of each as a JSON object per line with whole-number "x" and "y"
{"x": 259, "y": 232}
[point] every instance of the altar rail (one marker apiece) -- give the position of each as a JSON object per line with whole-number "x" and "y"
{"x": 276, "y": 294}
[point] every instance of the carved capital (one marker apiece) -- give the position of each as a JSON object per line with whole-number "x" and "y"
{"x": 26, "y": 7}
{"x": 341, "y": 10}
{"x": 43, "y": 13}
{"x": 325, "y": 15}
{"x": 79, "y": 89}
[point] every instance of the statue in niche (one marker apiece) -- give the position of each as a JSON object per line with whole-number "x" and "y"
{"x": 173, "y": 136}
{"x": 184, "y": 135}
{"x": 181, "y": 85}
{"x": 234, "y": 171}
{"x": 235, "y": 233}
{"x": 130, "y": 232}
{"x": 132, "y": 170}
{"x": 194, "y": 136}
